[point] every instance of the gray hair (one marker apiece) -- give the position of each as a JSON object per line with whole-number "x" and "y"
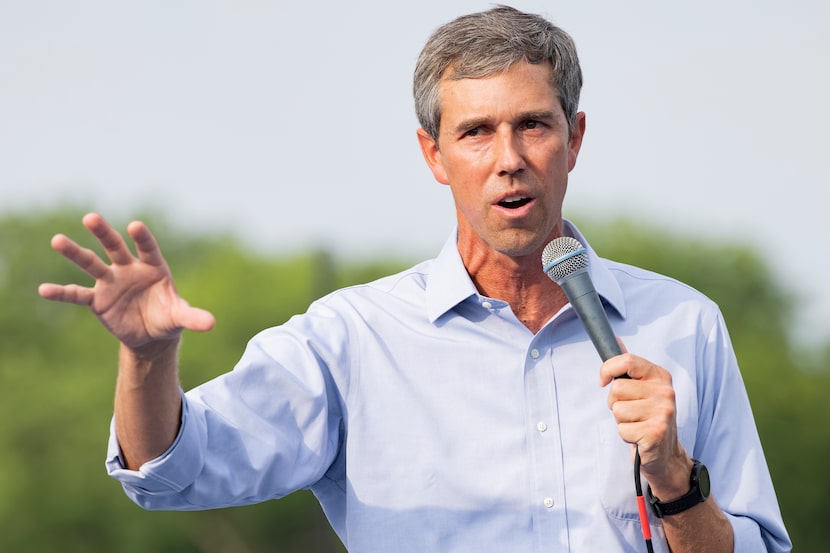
{"x": 482, "y": 44}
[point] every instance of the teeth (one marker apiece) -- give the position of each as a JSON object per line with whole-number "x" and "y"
{"x": 515, "y": 202}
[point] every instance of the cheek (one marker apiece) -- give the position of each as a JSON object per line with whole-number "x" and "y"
{"x": 469, "y": 200}
{"x": 560, "y": 165}
{"x": 466, "y": 173}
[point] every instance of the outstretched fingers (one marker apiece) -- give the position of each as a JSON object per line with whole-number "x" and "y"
{"x": 86, "y": 259}
{"x": 146, "y": 244}
{"x": 111, "y": 240}
{"x": 70, "y": 293}
{"x": 133, "y": 296}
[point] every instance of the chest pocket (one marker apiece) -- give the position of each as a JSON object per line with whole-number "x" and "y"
{"x": 615, "y": 471}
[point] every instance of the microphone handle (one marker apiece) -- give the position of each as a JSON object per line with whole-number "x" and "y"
{"x": 585, "y": 301}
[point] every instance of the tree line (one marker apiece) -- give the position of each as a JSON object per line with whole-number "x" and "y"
{"x": 58, "y": 367}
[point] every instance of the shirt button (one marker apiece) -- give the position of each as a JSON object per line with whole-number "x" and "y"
{"x": 486, "y": 305}
{"x": 541, "y": 426}
{"x": 548, "y": 502}
{"x": 534, "y": 353}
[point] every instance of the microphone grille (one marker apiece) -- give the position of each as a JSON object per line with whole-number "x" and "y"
{"x": 563, "y": 257}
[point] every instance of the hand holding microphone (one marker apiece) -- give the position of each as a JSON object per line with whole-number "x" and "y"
{"x": 644, "y": 408}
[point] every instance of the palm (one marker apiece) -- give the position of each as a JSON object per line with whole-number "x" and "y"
{"x": 137, "y": 304}
{"x": 134, "y": 297}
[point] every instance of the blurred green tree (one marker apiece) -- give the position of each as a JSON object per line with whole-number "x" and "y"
{"x": 57, "y": 372}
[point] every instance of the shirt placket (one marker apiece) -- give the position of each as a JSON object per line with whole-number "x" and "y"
{"x": 544, "y": 449}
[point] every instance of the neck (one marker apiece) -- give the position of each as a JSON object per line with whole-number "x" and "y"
{"x": 520, "y": 281}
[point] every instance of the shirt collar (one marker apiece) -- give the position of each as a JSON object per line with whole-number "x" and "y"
{"x": 606, "y": 285}
{"x": 449, "y": 283}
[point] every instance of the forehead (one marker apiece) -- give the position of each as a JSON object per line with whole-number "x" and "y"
{"x": 522, "y": 86}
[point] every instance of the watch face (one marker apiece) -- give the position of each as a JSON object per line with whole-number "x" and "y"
{"x": 703, "y": 481}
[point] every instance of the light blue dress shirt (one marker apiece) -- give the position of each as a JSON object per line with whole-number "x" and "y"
{"x": 427, "y": 418}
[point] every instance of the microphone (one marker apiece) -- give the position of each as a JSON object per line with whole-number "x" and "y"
{"x": 565, "y": 261}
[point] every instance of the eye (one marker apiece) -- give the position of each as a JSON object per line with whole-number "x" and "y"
{"x": 532, "y": 124}
{"x": 473, "y": 132}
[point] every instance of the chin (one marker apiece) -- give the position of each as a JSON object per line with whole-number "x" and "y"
{"x": 521, "y": 246}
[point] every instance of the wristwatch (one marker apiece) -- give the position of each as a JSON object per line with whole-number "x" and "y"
{"x": 697, "y": 494}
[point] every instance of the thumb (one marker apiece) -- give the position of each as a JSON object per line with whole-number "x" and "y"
{"x": 195, "y": 319}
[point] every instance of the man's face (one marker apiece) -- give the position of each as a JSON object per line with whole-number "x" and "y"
{"x": 505, "y": 151}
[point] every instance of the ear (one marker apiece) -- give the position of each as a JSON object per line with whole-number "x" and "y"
{"x": 432, "y": 155}
{"x": 575, "y": 141}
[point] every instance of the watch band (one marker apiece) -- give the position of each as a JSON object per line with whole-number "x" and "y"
{"x": 698, "y": 493}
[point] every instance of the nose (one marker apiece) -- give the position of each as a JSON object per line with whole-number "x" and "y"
{"x": 509, "y": 156}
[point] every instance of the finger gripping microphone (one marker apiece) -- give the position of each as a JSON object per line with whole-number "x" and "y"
{"x": 565, "y": 261}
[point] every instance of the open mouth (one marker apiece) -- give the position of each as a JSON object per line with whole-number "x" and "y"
{"x": 514, "y": 202}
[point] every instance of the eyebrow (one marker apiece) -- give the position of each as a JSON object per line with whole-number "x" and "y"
{"x": 467, "y": 124}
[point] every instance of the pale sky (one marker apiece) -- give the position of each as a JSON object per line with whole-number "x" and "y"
{"x": 293, "y": 125}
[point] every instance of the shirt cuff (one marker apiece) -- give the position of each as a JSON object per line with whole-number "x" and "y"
{"x": 171, "y": 472}
{"x": 747, "y": 535}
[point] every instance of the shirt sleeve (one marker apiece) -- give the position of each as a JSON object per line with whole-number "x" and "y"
{"x": 271, "y": 426}
{"x": 729, "y": 445}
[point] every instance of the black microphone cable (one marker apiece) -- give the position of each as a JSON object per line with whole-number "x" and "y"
{"x": 641, "y": 503}
{"x": 641, "y": 500}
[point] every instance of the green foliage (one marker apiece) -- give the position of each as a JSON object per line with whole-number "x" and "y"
{"x": 57, "y": 373}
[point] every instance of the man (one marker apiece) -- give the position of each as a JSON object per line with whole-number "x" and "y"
{"x": 454, "y": 406}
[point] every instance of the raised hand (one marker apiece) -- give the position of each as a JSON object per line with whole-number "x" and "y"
{"x": 134, "y": 297}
